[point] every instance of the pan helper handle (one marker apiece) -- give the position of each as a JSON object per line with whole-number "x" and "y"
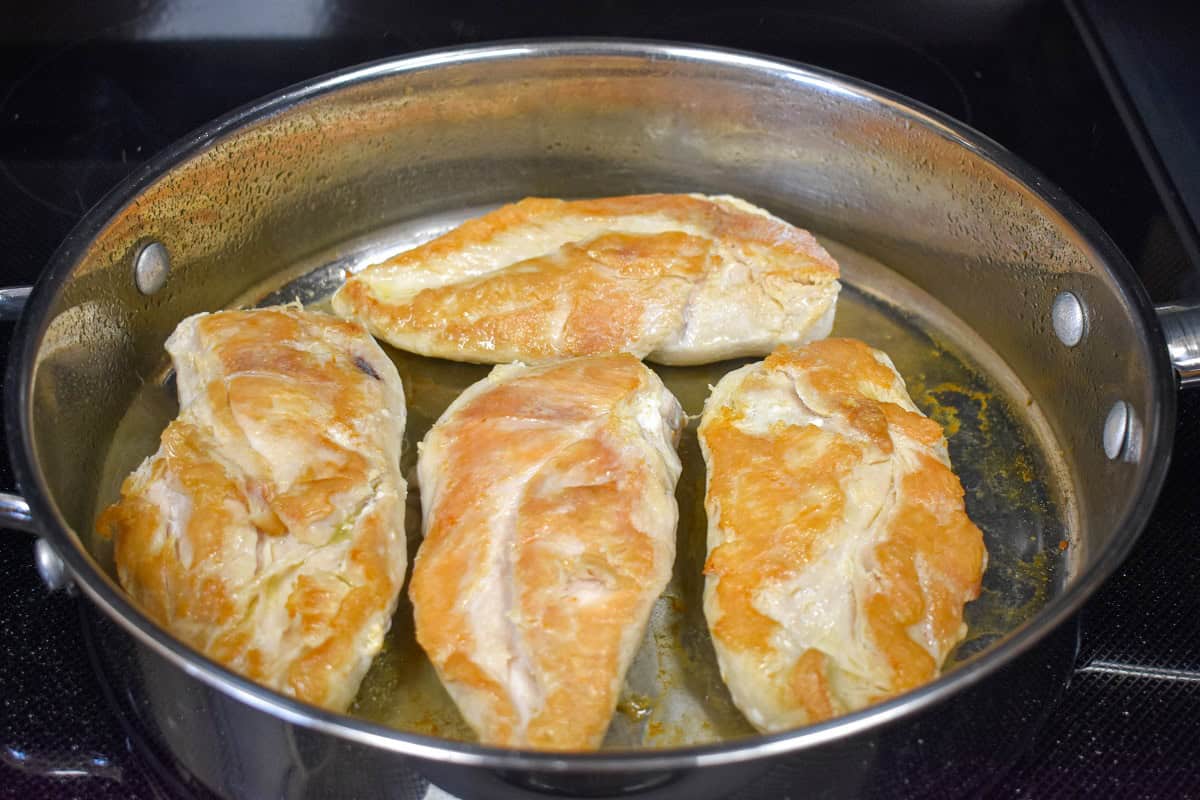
{"x": 1181, "y": 327}
{"x": 12, "y": 302}
{"x": 14, "y": 511}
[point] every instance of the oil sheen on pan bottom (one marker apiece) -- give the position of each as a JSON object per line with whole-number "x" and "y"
{"x": 1016, "y": 491}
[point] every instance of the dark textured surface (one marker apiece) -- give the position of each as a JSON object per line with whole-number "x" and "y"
{"x": 53, "y": 719}
{"x": 1148, "y": 57}
{"x": 1129, "y": 724}
{"x": 87, "y": 93}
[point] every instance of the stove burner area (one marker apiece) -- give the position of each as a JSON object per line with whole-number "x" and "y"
{"x": 88, "y": 93}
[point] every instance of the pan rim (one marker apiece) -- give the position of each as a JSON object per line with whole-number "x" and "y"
{"x": 104, "y": 593}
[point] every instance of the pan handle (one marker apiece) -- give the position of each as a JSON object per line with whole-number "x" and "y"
{"x": 1181, "y": 326}
{"x": 14, "y": 511}
{"x": 12, "y": 302}
{"x": 15, "y": 514}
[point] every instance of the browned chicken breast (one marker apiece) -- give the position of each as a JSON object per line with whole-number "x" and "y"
{"x": 268, "y": 529}
{"x": 677, "y": 279}
{"x": 840, "y": 555}
{"x": 549, "y": 517}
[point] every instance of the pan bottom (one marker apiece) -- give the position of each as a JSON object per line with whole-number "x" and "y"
{"x": 999, "y": 445}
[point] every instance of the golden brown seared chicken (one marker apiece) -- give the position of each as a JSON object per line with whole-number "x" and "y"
{"x": 840, "y": 555}
{"x": 677, "y": 279}
{"x": 268, "y": 529}
{"x": 549, "y": 517}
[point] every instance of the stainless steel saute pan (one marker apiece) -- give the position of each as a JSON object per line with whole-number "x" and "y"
{"x": 1016, "y": 322}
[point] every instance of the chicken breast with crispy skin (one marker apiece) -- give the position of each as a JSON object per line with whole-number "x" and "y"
{"x": 840, "y": 555}
{"x": 268, "y": 530}
{"x": 549, "y": 518}
{"x": 677, "y": 279}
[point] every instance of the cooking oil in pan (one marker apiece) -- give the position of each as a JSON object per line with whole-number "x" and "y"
{"x": 673, "y": 694}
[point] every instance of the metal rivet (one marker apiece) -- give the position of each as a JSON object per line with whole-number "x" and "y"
{"x": 49, "y": 566}
{"x": 1069, "y": 319}
{"x": 1117, "y": 428}
{"x": 151, "y": 268}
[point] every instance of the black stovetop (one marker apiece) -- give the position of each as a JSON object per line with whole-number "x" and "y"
{"x": 86, "y": 94}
